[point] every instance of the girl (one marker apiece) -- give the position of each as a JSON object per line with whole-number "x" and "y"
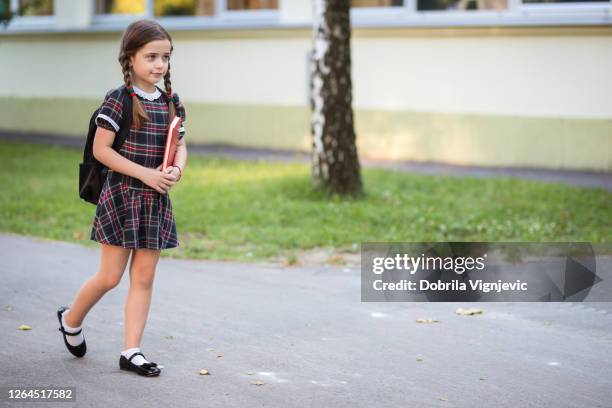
{"x": 134, "y": 212}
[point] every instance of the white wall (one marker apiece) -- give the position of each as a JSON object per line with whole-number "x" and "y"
{"x": 528, "y": 76}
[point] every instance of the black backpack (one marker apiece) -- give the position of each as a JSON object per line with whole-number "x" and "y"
{"x": 92, "y": 173}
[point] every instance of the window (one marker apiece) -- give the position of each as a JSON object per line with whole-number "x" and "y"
{"x": 120, "y": 6}
{"x": 377, "y": 3}
{"x": 222, "y": 14}
{"x": 35, "y": 8}
{"x": 252, "y": 4}
{"x": 184, "y": 8}
{"x": 427, "y": 5}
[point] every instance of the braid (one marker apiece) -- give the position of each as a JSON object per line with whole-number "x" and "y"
{"x": 168, "y": 88}
{"x": 125, "y": 67}
{"x": 139, "y": 115}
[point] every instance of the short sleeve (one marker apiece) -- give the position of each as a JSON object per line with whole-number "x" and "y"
{"x": 180, "y": 111}
{"x": 110, "y": 114}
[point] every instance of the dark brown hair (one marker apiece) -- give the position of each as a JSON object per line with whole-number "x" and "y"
{"x": 135, "y": 36}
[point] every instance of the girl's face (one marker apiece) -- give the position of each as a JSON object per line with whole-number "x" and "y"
{"x": 150, "y": 63}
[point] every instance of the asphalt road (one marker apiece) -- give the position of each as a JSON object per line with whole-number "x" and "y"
{"x": 302, "y": 331}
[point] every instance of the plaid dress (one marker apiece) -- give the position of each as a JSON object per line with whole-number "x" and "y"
{"x": 129, "y": 213}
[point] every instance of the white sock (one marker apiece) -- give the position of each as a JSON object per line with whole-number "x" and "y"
{"x": 138, "y": 360}
{"x": 72, "y": 340}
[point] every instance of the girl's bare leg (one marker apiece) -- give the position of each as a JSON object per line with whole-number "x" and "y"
{"x": 113, "y": 260}
{"x": 142, "y": 274}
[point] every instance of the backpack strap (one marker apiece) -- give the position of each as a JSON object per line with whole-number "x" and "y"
{"x": 126, "y": 124}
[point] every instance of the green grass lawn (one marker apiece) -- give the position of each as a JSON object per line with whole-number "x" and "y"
{"x": 228, "y": 209}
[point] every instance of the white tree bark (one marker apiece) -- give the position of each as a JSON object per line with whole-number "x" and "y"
{"x": 335, "y": 165}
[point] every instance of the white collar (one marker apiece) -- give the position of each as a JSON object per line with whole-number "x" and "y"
{"x": 146, "y": 95}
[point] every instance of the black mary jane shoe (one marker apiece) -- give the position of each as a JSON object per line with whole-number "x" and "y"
{"x": 79, "y": 350}
{"x": 147, "y": 369}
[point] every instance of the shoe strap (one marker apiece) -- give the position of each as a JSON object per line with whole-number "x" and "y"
{"x": 69, "y": 333}
{"x": 136, "y": 354}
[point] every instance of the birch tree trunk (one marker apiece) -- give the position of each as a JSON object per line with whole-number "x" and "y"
{"x": 335, "y": 164}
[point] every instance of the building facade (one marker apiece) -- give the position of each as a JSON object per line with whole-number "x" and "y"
{"x": 478, "y": 82}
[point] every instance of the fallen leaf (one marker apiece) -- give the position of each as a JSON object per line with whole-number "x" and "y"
{"x": 426, "y": 320}
{"x": 258, "y": 382}
{"x": 482, "y": 378}
{"x": 210, "y": 349}
{"x": 24, "y": 327}
{"x": 219, "y": 355}
{"x": 251, "y": 372}
{"x": 204, "y": 372}
{"x": 9, "y": 308}
{"x": 469, "y": 311}
{"x": 419, "y": 359}
{"x": 169, "y": 337}
{"x": 443, "y": 398}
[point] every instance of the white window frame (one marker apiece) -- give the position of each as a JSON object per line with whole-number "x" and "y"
{"x": 118, "y": 21}
{"x": 222, "y": 18}
{"x": 381, "y": 13}
{"x": 29, "y": 22}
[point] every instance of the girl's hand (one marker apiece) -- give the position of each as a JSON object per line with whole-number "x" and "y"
{"x": 173, "y": 171}
{"x": 160, "y": 181}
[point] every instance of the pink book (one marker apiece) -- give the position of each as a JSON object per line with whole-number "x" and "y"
{"x": 171, "y": 140}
